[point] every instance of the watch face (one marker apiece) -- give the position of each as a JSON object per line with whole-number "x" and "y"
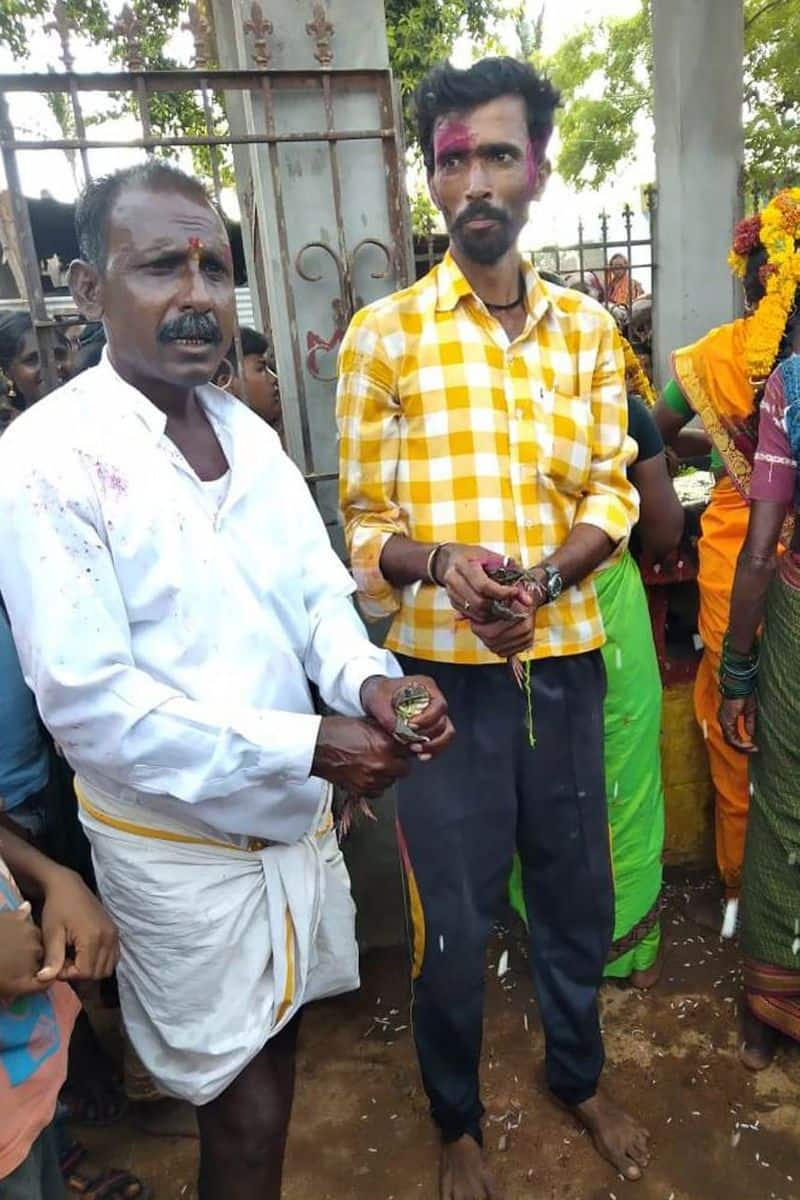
{"x": 555, "y": 584}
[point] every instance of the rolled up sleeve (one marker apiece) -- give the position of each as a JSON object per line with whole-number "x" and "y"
{"x": 368, "y": 416}
{"x": 610, "y": 501}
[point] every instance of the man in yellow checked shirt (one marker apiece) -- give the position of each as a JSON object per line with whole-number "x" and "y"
{"x": 483, "y": 416}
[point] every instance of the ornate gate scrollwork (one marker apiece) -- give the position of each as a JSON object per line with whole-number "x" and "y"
{"x": 342, "y": 306}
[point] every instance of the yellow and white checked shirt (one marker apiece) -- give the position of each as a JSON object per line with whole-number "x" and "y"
{"x": 452, "y": 433}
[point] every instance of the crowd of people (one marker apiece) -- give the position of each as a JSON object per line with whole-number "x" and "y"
{"x": 187, "y": 686}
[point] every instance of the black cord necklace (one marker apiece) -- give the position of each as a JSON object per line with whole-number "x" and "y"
{"x": 513, "y": 304}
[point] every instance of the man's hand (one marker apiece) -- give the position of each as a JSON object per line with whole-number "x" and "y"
{"x": 377, "y": 698}
{"x": 507, "y": 638}
{"x": 80, "y": 940}
{"x": 459, "y": 570}
{"x": 358, "y": 756}
{"x": 736, "y": 713}
{"x": 20, "y": 954}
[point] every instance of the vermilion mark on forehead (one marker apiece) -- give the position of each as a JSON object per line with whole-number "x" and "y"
{"x": 452, "y": 137}
{"x": 195, "y": 247}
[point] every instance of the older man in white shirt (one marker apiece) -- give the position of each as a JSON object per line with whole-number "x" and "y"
{"x": 172, "y": 591}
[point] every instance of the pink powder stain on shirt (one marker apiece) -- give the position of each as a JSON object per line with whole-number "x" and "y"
{"x": 110, "y": 479}
{"x": 451, "y": 137}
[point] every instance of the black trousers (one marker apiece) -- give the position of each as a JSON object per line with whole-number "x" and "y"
{"x": 460, "y": 819}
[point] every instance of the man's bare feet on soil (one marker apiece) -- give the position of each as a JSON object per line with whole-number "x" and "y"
{"x": 616, "y": 1136}
{"x": 463, "y": 1173}
{"x": 759, "y": 1044}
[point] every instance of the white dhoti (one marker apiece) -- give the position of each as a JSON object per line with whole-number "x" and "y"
{"x": 221, "y": 944}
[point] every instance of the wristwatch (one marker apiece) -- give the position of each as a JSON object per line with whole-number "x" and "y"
{"x": 553, "y": 581}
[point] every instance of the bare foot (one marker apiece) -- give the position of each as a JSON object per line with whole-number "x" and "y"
{"x": 616, "y": 1136}
{"x": 644, "y": 980}
{"x": 463, "y": 1174}
{"x": 759, "y": 1045}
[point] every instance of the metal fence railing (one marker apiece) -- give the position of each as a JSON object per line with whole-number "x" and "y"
{"x": 586, "y": 263}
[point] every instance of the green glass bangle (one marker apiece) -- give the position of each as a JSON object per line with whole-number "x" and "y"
{"x": 733, "y": 688}
{"x": 732, "y": 658}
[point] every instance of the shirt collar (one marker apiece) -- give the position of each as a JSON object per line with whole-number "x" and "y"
{"x": 452, "y": 286}
{"x": 219, "y": 405}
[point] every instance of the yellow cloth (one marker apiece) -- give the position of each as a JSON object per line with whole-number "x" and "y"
{"x": 712, "y": 374}
{"x": 723, "y": 531}
{"x": 451, "y": 433}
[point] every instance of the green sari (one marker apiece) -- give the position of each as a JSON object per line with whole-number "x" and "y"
{"x": 770, "y": 934}
{"x": 633, "y": 770}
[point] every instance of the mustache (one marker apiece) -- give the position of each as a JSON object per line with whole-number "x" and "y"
{"x": 481, "y": 211}
{"x": 202, "y": 327}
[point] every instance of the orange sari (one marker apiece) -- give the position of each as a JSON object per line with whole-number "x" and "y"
{"x": 713, "y": 378}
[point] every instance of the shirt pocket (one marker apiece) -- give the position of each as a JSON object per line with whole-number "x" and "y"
{"x": 562, "y": 432}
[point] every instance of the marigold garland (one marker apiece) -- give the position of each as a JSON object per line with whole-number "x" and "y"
{"x": 635, "y": 378}
{"x": 778, "y": 228}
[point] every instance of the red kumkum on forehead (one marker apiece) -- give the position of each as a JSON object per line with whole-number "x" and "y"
{"x": 451, "y": 137}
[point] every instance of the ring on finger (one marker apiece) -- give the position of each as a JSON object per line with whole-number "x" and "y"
{"x": 466, "y": 606}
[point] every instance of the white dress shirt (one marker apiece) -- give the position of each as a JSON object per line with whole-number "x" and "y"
{"x": 170, "y": 646}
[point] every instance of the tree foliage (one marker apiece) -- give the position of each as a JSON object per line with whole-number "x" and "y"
{"x": 419, "y": 33}
{"x": 423, "y": 32}
{"x": 772, "y": 92}
{"x": 424, "y": 213}
{"x": 605, "y": 74}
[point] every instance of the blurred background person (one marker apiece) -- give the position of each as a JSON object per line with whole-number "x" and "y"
{"x": 621, "y": 287}
{"x": 255, "y": 380}
{"x": 20, "y": 361}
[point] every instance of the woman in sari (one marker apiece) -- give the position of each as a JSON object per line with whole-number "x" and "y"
{"x": 716, "y": 379}
{"x": 621, "y": 288}
{"x": 762, "y": 681}
{"x": 632, "y": 710}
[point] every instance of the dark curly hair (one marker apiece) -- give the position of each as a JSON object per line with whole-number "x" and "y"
{"x": 448, "y": 89}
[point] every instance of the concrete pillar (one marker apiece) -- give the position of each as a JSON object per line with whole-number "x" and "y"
{"x": 336, "y": 199}
{"x": 698, "y": 48}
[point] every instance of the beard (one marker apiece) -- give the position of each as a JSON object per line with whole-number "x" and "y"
{"x": 483, "y": 246}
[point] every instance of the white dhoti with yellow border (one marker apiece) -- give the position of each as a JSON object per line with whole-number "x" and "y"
{"x": 222, "y": 939}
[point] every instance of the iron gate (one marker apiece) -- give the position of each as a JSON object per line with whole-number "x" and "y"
{"x": 352, "y": 266}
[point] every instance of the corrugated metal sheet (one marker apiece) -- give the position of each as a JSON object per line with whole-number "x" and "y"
{"x": 62, "y": 305}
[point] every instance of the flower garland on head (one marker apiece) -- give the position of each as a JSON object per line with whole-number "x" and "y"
{"x": 746, "y": 239}
{"x": 777, "y": 229}
{"x": 635, "y": 378}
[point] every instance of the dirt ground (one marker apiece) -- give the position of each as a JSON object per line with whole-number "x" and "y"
{"x": 360, "y": 1130}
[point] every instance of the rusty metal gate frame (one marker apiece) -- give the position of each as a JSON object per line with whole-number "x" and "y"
{"x": 263, "y": 83}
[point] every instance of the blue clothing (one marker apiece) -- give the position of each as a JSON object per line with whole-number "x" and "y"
{"x": 24, "y": 760}
{"x": 789, "y": 371}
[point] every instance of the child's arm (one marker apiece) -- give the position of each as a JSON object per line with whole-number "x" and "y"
{"x": 20, "y": 954}
{"x": 72, "y": 919}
